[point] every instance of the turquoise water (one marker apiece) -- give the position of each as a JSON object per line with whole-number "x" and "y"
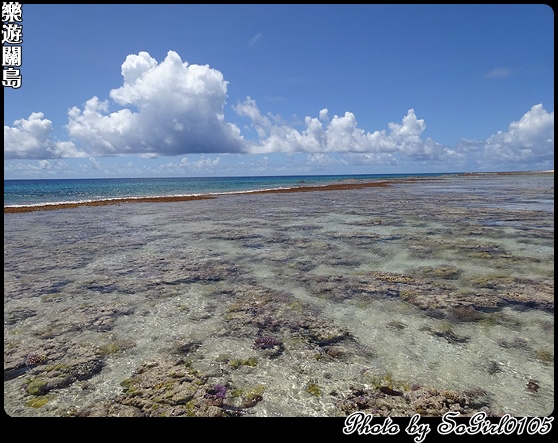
{"x": 40, "y": 192}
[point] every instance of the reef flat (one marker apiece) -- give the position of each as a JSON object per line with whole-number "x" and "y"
{"x": 415, "y": 296}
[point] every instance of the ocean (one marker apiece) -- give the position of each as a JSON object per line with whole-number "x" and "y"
{"x": 55, "y": 191}
{"x": 425, "y": 296}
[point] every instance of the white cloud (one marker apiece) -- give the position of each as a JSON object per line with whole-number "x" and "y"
{"x": 341, "y": 134}
{"x": 179, "y": 110}
{"x": 361, "y": 159}
{"x": 531, "y": 139}
{"x": 95, "y": 164}
{"x": 498, "y": 73}
{"x": 45, "y": 164}
{"x": 31, "y": 139}
{"x": 34, "y": 169}
{"x": 255, "y": 39}
{"x": 172, "y": 108}
{"x": 324, "y": 160}
{"x": 203, "y": 164}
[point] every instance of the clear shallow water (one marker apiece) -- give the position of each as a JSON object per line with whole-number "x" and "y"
{"x": 363, "y": 288}
{"x": 38, "y": 192}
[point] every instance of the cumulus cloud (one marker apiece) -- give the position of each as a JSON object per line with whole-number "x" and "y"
{"x": 180, "y": 109}
{"x": 531, "y": 139}
{"x": 341, "y": 134}
{"x": 31, "y": 138}
{"x": 172, "y": 108}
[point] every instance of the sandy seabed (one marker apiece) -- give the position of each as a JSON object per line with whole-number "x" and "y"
{"x": 393, "y": 298}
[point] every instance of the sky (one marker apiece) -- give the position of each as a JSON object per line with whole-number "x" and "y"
{"x": 280, "y": 89}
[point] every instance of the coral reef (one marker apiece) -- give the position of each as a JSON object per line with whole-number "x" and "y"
{"x": 170, "y": 389}
{"x": 266, "y": 342}
{"x": 427, "y": 402}
{"x": 198, "y": 315}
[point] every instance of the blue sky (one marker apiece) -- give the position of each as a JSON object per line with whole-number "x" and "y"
{"x": 228, "y": 90}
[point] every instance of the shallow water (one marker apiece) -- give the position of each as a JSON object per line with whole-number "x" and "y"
{"x": 445, "y": 283}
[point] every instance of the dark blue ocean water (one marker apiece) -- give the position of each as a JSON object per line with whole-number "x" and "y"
{"x": 41, "y": 192}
